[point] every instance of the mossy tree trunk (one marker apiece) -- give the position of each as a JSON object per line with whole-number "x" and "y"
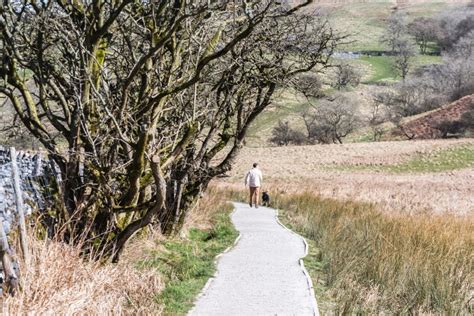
{"x": 141, "y": 104}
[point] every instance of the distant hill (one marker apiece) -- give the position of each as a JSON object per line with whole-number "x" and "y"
{"x": 424, "y": 126}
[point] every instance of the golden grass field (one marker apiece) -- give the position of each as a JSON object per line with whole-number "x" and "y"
{"x": 370, "y": 172}
{"x": 390, "y": 224}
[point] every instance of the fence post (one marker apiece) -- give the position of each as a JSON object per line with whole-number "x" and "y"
{"x": 19, "y": 207}
{"x": 9, "y": 272}
{"x": 38, "y": 162}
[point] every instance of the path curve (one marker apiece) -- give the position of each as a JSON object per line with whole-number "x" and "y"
{"x": 262, "y": 274}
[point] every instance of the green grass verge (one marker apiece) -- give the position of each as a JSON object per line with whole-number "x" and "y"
{"x": 455, "y": 158}
{"x": 445, "y": 160}
{"x": 187, "y": 264}
{"x": 381, "y": 68}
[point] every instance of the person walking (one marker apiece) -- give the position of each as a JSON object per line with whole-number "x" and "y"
{"x": 254, "y": 180}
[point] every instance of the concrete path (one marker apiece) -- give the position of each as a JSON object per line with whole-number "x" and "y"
{"x": 261, "y": 275}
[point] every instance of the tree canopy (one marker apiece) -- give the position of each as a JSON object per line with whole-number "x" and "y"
{"x": 134, "y": 99}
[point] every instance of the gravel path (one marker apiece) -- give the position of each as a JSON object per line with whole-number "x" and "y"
{"x": 261, "y": 275}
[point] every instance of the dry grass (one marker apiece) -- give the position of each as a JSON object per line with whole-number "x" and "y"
{"x": 377, "y": 262}
{"x": 297, "y": 161}
{"x": 60, "y": 282}
{"x": 313, "y": 168}
{"x": 374, "y": 262}
{"x": 388, "y": 240}
{"x": 202, "y": 216}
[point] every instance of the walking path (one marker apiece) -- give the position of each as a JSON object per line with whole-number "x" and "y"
{"x": 261, "y": 275}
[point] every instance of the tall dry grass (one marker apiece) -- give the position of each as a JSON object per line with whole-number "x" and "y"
{"x": 203, "y": 215}
{"x": 59, "y": 281}
{"x": 377, "y": 262}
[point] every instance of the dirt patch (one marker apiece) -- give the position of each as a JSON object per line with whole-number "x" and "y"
{"x": 425, "y": 126}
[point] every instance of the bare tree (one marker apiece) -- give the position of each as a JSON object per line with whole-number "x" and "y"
{"x": 284, "y": 135}
{"x": 405, "y": 52}
{"x": 454, "y": 24}
{"x": 309, "y": 85}
{"x": 408, "y": 98}
{"x": 395, "y": 30}
{"x": 424, "y": 30}
{"x": 134, "y": 100}
{"x": 346, "y": 75}
{"x": 332, "y": 119}
{"x": 378, "y": 114}
{"x": 454, "y": 78}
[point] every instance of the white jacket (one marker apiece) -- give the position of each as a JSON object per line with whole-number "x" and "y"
{"x": 254, "y": 178}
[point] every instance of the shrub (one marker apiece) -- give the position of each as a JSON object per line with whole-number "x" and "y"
{"x": 450, "y": 128}
{"x": 283, "y": 135}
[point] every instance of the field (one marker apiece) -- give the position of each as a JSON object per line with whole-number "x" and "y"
{"x": 410, "y": 176}
{"x": 390, "y": 224}
{"x": 366, "y": 21}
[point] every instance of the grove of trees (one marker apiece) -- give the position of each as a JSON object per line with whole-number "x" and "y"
{"x": 450, "y": 34}
{"x": 134, "y": 100}
{"x": 283, "y": 135}
{"x": 332, "y": 119}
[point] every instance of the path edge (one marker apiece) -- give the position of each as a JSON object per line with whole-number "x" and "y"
{"x": 216, "y": 262}
{"x": 301, "y": 263}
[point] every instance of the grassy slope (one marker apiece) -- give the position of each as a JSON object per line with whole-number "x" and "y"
{"x": 187, "y": 264}
{"x": 381, "y": 67}
{"x": 365, "y": 22}
{"x": 287, "y": 108}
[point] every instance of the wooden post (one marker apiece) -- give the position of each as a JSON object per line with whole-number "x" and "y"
{"x": 19, "y": 207}
{"x": 8, "y": 271}
{"x": 38, "y": 163}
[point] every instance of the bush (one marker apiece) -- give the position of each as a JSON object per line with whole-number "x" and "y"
{"x": 450, "y": 128}
{"x": 346, "y": 76}
{"x": 332, "y": 120}
{"x": 284, "y": 135}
